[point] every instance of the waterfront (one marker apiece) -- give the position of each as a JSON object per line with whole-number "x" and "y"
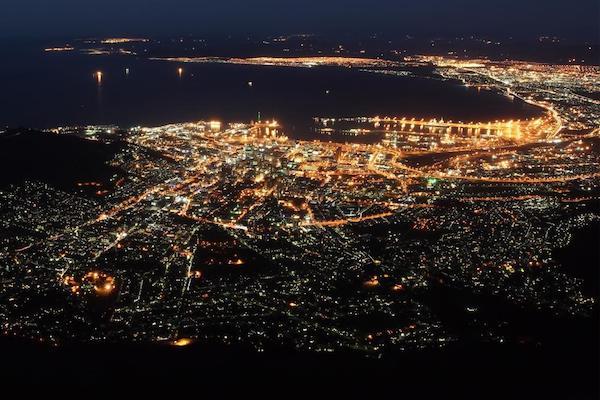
{"x": 49, "y": 89}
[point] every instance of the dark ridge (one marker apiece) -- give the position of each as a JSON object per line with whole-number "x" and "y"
{"x": 58, "y": 160}
{"x": 484, "y": 371}
{"x": 581, "y": 258}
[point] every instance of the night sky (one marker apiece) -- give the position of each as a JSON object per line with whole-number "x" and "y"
{"x": 575, "y": 19}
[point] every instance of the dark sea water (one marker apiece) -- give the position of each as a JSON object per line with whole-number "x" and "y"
{"x": 42, "y": 90}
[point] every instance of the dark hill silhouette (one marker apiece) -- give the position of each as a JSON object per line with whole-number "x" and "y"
{"x": 58, "y": 160}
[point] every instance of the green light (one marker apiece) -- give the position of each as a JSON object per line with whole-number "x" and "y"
{"x": 431, "y": 181}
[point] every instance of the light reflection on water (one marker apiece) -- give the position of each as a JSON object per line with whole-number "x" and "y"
{"x": 43, "y": 90}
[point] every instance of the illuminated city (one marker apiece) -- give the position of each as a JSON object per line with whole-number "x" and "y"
{"x": 194, "y": 197}
{"x": 208, "y": 205}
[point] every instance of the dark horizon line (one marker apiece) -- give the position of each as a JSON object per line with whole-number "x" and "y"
{"x": 401, "y": 36}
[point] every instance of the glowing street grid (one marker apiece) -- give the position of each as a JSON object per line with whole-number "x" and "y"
{"x": 234, "y": 233}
